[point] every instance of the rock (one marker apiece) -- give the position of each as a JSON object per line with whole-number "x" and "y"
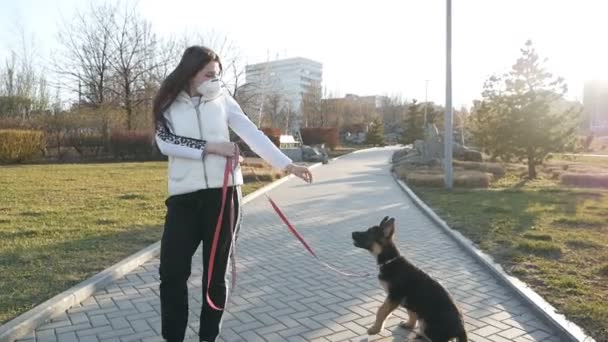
{"x": 401, "y": 153}
{"x": 472, "y": 155}
{"x": 467, "y": 154}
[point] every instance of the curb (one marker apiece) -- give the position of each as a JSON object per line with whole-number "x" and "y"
{"x": 567, "y": 330}
{"x": 27, "y": 322}
{"x": 30, "y": 320}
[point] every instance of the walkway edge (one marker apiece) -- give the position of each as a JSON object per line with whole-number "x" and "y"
{"x": 24, "y": 324}
{"x": 567, "y": 330}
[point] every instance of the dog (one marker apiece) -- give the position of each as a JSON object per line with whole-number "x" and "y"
{"x": 426, "y": 301}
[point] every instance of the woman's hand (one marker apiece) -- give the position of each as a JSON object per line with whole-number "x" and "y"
{"x": 226, "y": 149}
{"x": 300, "y": 171}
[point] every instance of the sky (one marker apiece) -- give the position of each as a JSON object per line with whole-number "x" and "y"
{"x": 379, "y": 47}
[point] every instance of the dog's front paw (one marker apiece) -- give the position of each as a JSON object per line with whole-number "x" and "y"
{"x": 374, "y": 330}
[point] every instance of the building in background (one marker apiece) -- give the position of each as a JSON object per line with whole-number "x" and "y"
{"x": 284, "y": 79}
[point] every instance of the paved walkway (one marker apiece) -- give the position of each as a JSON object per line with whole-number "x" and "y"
{"x": 284, "y": 295}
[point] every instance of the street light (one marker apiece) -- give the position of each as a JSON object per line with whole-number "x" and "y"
{"x": 448, "y": 131}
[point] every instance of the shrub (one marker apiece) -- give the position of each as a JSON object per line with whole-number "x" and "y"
{"x": 274, "y": 134}
{"x": 320, "y": 135}
{"x": 132, "y": 144}
{"x": 18, "y": 146}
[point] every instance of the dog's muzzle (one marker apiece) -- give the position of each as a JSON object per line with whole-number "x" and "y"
{"x": 358, "y": 240}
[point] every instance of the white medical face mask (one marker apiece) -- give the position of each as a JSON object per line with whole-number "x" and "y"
{"x": 210, "y": 89}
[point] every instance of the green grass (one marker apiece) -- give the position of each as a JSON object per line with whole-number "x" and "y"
{"x": 552, "y": 237}
{"x": 60, "y": 224}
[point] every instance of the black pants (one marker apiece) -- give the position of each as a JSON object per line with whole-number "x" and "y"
{"x": 191, "y": 218}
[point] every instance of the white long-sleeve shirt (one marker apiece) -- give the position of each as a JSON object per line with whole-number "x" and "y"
{"x": 190, "y": 125}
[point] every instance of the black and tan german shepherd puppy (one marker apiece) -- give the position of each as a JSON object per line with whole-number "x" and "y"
{"x": 424, "y": 298}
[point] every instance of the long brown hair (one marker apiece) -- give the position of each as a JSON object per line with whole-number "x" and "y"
{"x": 193, "y": 60}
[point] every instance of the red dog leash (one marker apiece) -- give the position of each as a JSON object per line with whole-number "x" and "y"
{"x": 297, "y": 235}
{"x": 216, "y": 235}
{"x": 227, "y": 171}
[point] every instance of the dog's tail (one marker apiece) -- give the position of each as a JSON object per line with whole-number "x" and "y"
{"x": 462, "y": 337}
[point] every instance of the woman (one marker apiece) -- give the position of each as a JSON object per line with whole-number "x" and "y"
{"x": 192, "y": 115}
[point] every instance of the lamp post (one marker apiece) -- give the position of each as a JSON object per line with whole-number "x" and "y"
{"x": 426, "y": 101}
{"x": 448, "y": 130}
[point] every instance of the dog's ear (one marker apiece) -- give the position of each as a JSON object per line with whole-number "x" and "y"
{"x": 389, "y": 228}
{"x": 383, "y": 221}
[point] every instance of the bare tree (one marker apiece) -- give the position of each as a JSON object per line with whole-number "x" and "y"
{"x": 42, "y": 99}
{"x": 249, "y": 98}
{"x": 24, "y": 86}
{"x": 254, "y": 95}
{"x": 12, "y": 103}
{"x": 83, "y": 63}
{"x": 334, "y": 108}
{"x": 461, "y": 116}
{"x": 288, "y": 116}
{"x": 27, "y": 77}
{"x": 393, "y": 110}
{"x": 162, "y": 61}
{"x": 134, "y": 59}
{"x": 8, "y": 76}
{"x": 312, "y": 106}
{"x": 273, "y": 110}
{"x": 237, "y": 81}
{"x": 266, "y": 84}
{"x": 165, "y": 57}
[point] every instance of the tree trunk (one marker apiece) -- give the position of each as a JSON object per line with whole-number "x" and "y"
{"x": 58, "y": 146}
{"x": 105, "y": 136}
{"x": 128, "y": 105}
{"x": 531, "y": 164}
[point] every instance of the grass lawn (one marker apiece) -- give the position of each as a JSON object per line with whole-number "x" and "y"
{"x": 553, "y": 237}
{"x": 60, "y": 224}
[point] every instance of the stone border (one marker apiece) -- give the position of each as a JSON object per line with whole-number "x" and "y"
{"x": 566, "y": 329}
{"x": 27, "y": 322}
